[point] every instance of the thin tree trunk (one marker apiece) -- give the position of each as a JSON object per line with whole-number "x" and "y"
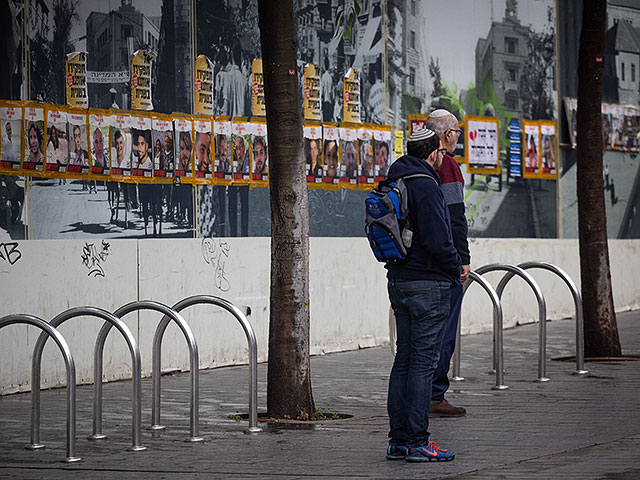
{"x": 289, "y": 374}
{"x": 601, "y": 330}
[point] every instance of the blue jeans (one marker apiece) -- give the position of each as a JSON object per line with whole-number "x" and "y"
{"x": 421, "y": 308}
{"x": 440, "y": 379}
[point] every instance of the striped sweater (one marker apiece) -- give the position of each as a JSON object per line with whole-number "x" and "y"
{"x": 452, "y": 188}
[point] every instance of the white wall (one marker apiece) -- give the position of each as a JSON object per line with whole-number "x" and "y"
{"x": 349, "y": 304}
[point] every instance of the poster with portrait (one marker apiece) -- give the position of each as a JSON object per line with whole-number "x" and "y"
{"x": 606, "y": 126}
{"x": 184, "y": 148}
{"x": 631, "y": 128}
{"x": 351, "y": 96}
{"x": 121, "y": 143}
{"x": 203, "y": 88}
{"x": 482, "y": 145}
{"x": 56, "y": 153}
{"x": 11, "y": 136}
{"x": 76, "y": 79}
{"x": 417, "y": 121}
{"x": 381, "y": 150}
{"x": 257, "y": 88}
{"x": 141, "y": 150}
{"x": 203, "y": 127}
{"x": 141, "y": 80}
{"x": 259, "y": 152}
{"x": 240, "y": 140}
{"x": 100, "y": 134}
{"x": 312, "y": 101}
{"x": 366, "y": 175}
{"x": 348, "y": 135}
{"x": 548, "y": 150}
{"x": 531, "y": 148}
{"x": 331, "y": 154}
{"x": 618, "y": 134}
{"x": 163, "y": 147}
{"x": 571, "y": 109}
{"x": 312, "y": 133}
{"x": 78, "y": 163}
{"x": 33, "y": 152}
{"x": 223, "y": 149}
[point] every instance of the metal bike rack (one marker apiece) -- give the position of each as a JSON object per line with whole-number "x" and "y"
{"x": 580, "y": 370}
{"x": 136, "y": 445}
{"x": 497, "y": 332}
{"x": 542, "y": 311}
{"x": 194, "y": 364}
{"x": 71, "y": 379}
{"x": 253, "y": 355}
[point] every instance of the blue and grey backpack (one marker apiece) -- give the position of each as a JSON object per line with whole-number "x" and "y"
{"x": 387, "y": 224}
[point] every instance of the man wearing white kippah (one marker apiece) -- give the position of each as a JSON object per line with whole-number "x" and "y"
{"x": 419, "y": 289}
{"x": 445, "y": 125}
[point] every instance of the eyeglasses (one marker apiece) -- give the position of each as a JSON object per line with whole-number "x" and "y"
{"x": 442, "y": 151}
{"x": 455, "y": 130}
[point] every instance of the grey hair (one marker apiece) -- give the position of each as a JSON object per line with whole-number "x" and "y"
{"x": 441, "y": 120}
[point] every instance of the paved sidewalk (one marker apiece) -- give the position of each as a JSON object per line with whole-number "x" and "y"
{"x": 572, "y": 427}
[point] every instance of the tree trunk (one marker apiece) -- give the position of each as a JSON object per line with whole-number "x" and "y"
{"x": 289, "y": 374}
{"x": 601, "y": 330}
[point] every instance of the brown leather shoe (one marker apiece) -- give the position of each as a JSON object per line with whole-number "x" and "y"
{"x": 445, "y": 409}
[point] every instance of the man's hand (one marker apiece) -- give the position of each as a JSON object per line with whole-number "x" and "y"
{"x": 464, "y": 273}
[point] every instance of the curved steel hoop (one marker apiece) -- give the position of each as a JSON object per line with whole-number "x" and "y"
{"x": 71, "y": 378}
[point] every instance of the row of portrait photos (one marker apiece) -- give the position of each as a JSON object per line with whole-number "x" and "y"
{"x": 62, "y": 142}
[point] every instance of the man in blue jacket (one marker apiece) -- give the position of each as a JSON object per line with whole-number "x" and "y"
{"x": 419, "y": 291}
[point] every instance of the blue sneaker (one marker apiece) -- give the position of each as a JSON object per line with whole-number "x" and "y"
{"x": 431, "y": 452}
{"x": 396, "y": 452}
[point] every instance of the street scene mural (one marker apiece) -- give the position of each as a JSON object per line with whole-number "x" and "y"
{"x": 141, "y": 152}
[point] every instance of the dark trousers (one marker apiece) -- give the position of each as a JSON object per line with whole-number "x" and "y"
{"x": 440, "y": 382}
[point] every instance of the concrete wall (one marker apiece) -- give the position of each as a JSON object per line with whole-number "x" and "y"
{"x": 349, "y": 305}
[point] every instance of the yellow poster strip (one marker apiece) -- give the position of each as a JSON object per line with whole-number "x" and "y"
{"x": 351, "y": 96}
{"x": 398, "y": 140}
{"x": 141, "y": 80}
{"x": 257, "y": 90}
{"x": 312, "y": 100}
{"x": 76, "y": 79}
{"x": 203, "y": 88}
{"x": 482, "y": 145}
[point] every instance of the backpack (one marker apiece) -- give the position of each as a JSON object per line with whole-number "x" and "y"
{"x": 387, "y": 224}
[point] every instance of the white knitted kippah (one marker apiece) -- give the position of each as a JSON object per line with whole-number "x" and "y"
{"x": 421, "y": 134}
{"x": 440, "y": 112}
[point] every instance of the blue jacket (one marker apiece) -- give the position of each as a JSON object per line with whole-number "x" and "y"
{"x": 432, "y": 255}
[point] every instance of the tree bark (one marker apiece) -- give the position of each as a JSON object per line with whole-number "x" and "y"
{"x": 289, "y": 374}
{"x": 601, "y": 330}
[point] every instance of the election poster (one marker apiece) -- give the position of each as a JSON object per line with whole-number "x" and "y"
{"x": 203, "y": 128}
{"x": 240, "y": 140}
{"x": 76, "y": 79}
{"x": 331, "y": 154}
{"x": 184, "y": 147}
{"x": 79, "y": 146}
{"x": 531, "y": 148}
{"x": 548, "y": 150}
{"x": 203, "y": 88}
{"x": 33, "y": 153}
{"x": 121, "y": 146}
{"x": 99, "y": 135}
{"x": 351, "y": 96}
{"x": 259, "y": 152}
{"x": 381, "y": 150}
{"x": 417, "y": 121}
{"x": 141, "y": 80}
{"x": 398, "y": 138}
{"x": 312, "y": 100}
{"x": 348, "y": 133}
{"x": 366, "y": 177}
{"x": 257, "y": 84}
{"x": 223, "y": 148}
{"x": 482, "y": 145}
{"x": 312, "y": 133}
{"x": 163, "y": 154}
{"x": 11, "y": 136}
{"x": 57, "y": 149}
{"x": 141, "y": 152}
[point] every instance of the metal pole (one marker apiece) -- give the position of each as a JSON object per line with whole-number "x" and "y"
{"x": 577, "y": 300}
{"x": 194, "y": 362}
{"x": 542, "y": 320}
{"x": 71, "y": 379}
{"x": 253, "y": 355}
{"x": 497, "y": 331}
{"x": 540, "y": 298}
{"x": 136, "y": 444}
